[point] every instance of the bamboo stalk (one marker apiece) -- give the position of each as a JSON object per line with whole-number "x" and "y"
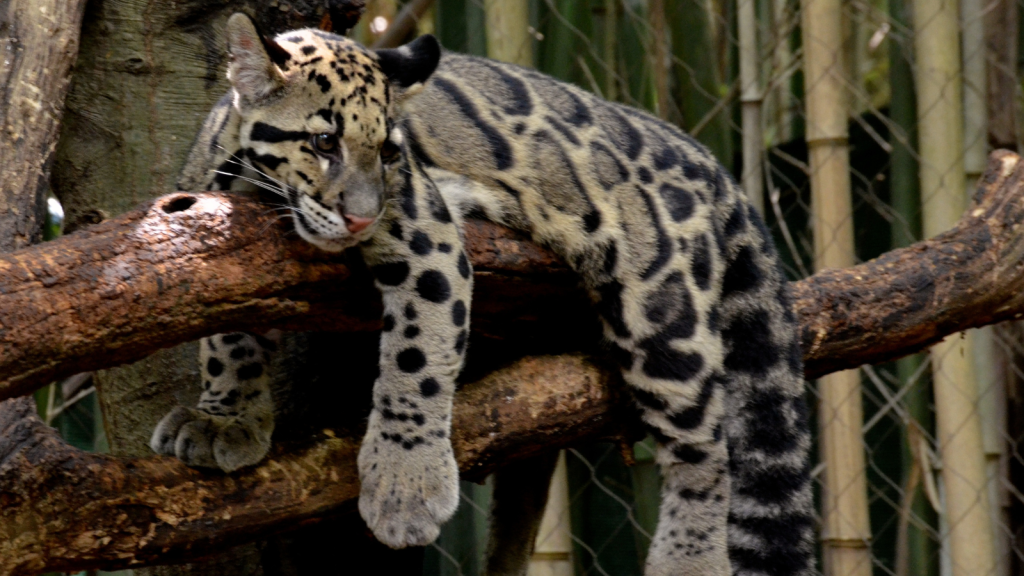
{"x": 916, "y": 551}
{"x": 990, "y": 367}
{"x": 659, "y": 57}
{"x": 697, "y": 95}
{"x": 1002, "y": 32}
{"x": 846, "y": 529}
{"x": 780, "y": 98}
{"x": 611, "y": 38}
{"x": 941, "y": 127}
{"x": 751, "y": 99}
{"x": 974, "y": 77}
{"x": 985, "y": 358}
{"x": 1001, "y": 27}
{"x": 508, "y": 36}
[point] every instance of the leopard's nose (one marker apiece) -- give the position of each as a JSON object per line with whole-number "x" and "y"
{"x": 356, "y": 224}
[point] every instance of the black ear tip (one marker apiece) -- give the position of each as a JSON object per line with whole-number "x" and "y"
{"x": 429, "y": 45}
{"x": 429, "y": 50}
{"x": 412, "y": 63}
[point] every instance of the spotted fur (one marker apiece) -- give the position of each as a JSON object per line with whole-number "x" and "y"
{"x": 379, "y": 150}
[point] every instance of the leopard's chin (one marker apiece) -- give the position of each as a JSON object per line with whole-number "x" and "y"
{"x": 326, "y": 244}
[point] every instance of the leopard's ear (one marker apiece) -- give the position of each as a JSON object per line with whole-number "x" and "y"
{"x": 253, "y": 70}
{"x": 409, "y": 66}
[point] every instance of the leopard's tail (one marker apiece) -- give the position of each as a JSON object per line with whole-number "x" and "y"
{"x": 771, "y": 508}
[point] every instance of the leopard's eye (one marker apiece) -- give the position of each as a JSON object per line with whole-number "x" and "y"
{"x": 325, "y": 143}
{"x": 389, "y": 152}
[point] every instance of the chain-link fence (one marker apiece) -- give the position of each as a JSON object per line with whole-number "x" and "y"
{"x": 857, "y": 127}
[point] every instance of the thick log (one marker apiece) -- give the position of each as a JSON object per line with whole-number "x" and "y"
{"x": 62, "y": 509}
{"x": 907, "y": 299}
{"x": 187, "y": 265}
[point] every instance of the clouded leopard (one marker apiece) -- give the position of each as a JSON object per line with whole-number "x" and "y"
{"x": 388, "y": 150}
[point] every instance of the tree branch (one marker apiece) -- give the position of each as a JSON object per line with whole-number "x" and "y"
{"x": 62, "y": 509}
{"x": 192, "y": 264}
{"x": 188, "y": 265}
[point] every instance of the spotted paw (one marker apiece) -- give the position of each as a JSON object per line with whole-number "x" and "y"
{"x": 410, "y": 485}
{"x": 209, "y": 441}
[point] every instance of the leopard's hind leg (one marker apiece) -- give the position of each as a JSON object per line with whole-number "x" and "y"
{"x": 660, "y": 325}
{"x": 676, "y": 379}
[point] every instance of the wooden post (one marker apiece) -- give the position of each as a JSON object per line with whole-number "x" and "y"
{"x": 941, "y": 136}
{"x": 552, "y": 554}
{"x": 846, "y": 530}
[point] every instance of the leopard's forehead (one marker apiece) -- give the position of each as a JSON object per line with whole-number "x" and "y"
{"x": 333, "y": 75}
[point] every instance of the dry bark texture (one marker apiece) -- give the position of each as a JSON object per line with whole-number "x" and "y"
{"x": 188, "y": 265}
{"x": 906, "y": 299}
{"x": 64, "y": 509}
{"x": 39, "y": 41}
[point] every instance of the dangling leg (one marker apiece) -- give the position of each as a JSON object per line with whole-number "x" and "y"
{"x": 685, "y": 417}
{"x": 231, "y": 425}
{"x": 407, "y": 470}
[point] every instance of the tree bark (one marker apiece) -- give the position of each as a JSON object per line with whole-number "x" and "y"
{"x": 172, "y": 271}
{"x": 65, "y": 509}
{"x": 188, "y": 265}
{"x": 39, "y": 43}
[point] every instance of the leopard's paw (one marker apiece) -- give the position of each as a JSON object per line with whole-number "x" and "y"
{"x": 210, "y": 441}
{"x": 410, "y": 485}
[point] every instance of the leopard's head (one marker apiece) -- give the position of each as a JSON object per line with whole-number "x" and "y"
{"x": 318, "y": 120}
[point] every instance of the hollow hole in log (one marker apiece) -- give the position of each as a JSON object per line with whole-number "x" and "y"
{"x": 179, "y": 204}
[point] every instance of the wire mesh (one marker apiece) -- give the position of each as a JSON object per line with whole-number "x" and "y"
{"x": 681, "y": 61}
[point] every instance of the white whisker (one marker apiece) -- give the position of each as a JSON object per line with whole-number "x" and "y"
{"x": 255, "y": 182}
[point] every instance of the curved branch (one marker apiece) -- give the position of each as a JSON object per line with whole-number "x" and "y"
{"x": 188, "y": 265}
{"x": 907, "y": 299}
{"x": 62, "y": 509}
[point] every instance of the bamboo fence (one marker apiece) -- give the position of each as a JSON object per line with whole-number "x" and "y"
{"x": 846, "y": 531}
{"x": 854, "y": 128}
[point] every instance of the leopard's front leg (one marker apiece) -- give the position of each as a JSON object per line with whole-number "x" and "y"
{"x": 406, "y": 466}
{"x": 231, "y": 426}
